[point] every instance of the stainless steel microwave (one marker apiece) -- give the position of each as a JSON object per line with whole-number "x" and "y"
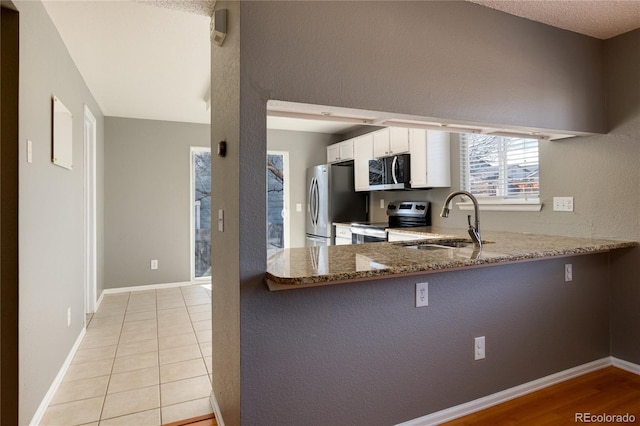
{"x": 390, "y": 173}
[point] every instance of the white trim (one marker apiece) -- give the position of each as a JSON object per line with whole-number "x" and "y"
{"x": 144, "y": 287}
{"x": 626, "y": 365}
{"x": 90, "y": 211}
{"x": 503, "y": 205}
{"x": 216, "y": 409}
{"x": 507, "y": 394}
{"x": 192, "y": 242}
{"x": 42, "y": 408}
{"x": 286, "y": 213}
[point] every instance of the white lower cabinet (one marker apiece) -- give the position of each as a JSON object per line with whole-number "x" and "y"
{"x": 343, "y": 235}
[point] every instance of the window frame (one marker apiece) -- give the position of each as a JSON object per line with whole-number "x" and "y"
{"x": 498, "y": 202}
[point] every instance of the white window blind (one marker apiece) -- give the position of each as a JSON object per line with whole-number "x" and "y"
{"x": 499, "y": 167}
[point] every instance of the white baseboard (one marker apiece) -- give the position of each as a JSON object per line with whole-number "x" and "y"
{"x": 143, "y": 288}
{"x": 216, "y": 409}
{"x": 625, "y": 365}
{"x": 508, "y": 394}
{"x": 37, "y": 417}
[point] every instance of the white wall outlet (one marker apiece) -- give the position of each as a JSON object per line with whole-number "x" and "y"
{"x": 154, "y": 264}
{"x": 478, "y": 348}
{"x": 562, "y": 204}
{"x": 382, "y": 206}
{"x": 568, "y": 272}
{"x": 298, "y": 207}
{"x": 69, "y": 317}
{"x": 422, "y": 294}
{"x": 29, "y": 151}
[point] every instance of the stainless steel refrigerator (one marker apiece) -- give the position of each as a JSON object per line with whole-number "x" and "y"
{"x": 331, "y": 197}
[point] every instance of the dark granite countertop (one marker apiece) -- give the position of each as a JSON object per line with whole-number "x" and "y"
{"x": 313, "y": 266}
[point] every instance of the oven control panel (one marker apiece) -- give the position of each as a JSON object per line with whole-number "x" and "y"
{"x": 408, "y": 208}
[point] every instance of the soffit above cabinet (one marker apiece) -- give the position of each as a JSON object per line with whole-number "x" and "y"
{"x": 328, "y": 119}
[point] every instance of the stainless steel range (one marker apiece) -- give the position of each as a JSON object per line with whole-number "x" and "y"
{"x": 402, "y": 214}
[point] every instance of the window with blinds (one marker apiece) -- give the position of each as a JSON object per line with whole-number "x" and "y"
{"x": 499, "y": 167}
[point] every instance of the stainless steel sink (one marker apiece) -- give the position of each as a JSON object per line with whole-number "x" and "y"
{"x": 446, "y": 245}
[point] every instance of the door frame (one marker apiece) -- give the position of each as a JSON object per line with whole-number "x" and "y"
{"x": 90, "y": 212}
{"x": 9, "y": 247}
{"x": 286, "y": 228}
{"x": 192, "y": 225}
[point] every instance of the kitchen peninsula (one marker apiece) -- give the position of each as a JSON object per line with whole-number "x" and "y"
{"x": 315, "y": 266}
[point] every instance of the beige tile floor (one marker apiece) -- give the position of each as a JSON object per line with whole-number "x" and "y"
{"x": 145, "y": 360}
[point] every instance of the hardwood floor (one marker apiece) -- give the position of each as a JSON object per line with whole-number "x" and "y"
{"x": 207, "y": 420}
{"x": 610, "y": 391}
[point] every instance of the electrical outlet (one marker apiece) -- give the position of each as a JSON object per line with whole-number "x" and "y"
{"x": 562, "y": 204}
{"x": 568, "y": 272}
{"x": 382, "y": 206}
{"x": 298, "y": 207}
{"x": 422, "y": 294}
{"x": 154, "y": 264}
{"x": 478, "y": 348}
{"x": 68, "y": 317}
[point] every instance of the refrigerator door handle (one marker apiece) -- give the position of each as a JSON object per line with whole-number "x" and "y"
{"x": 317, "y": 202}
{"x": 310, "y": 200}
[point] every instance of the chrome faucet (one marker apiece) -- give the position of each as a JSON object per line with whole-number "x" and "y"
{"x": 474, "y": 231}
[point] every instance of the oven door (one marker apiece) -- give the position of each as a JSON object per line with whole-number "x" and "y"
{"x": 390, "y": 173}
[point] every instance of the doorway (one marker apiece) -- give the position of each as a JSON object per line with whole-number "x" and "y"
{"x": 9, "y": 161}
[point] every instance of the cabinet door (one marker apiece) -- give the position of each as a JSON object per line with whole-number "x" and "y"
{"x": 381, "y": 143}
{"x": 393, "y": 236}
{"x": 333, "y": 153}
{"x": 418, "y": 145}
{"x": 346, "y": 150}
{"x": 399, "y": 140}
{"x": 363, "y": 152}
{"x": 430, "y": 159}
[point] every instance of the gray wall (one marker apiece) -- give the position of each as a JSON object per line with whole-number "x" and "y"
{"x": 228, "y": 175}
{"x": 147, "y": 216}
{"x": 522, "y": 73}
{"x": 305, "y": 149}
{"x": 361, "y": 354}
{"x": 51, "y": 208}
{"x": 619, "y": 194}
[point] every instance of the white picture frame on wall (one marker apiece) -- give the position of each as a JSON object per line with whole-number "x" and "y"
{"x": 62, "y": 135}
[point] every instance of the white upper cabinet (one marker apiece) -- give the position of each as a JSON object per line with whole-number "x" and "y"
{"x": 430, "y": 158}
{"x": 341, "y": 151}
{"x": 363, "y": 152}
{"x": 390, "y": 141}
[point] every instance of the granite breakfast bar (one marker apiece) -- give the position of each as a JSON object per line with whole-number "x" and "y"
{"x": 315, "y": 266}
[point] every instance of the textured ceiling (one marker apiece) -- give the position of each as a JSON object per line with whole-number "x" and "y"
{"x": 601, "y": 19}
{"x": 140, "y": 61}
{"x": 199, "y": 7}
{"x": 154, "y": 62}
